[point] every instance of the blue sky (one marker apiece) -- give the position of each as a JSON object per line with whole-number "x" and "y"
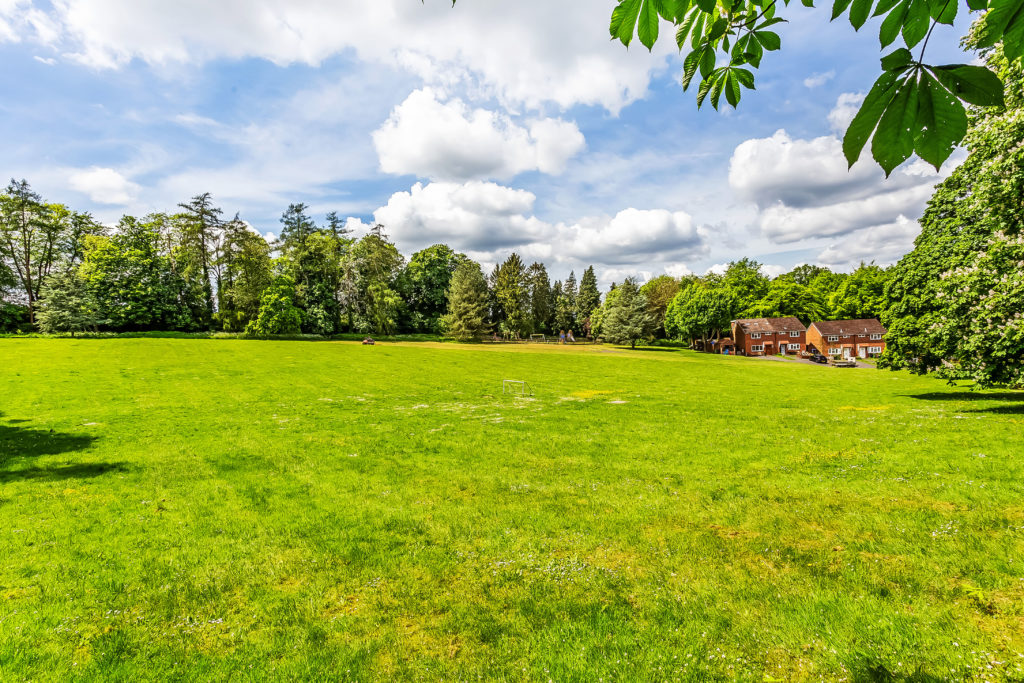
{"x": 492, "y": 126}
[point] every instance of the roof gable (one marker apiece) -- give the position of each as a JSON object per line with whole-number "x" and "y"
{"x": 841, "y": 327}
{"x": 770, "y": 325}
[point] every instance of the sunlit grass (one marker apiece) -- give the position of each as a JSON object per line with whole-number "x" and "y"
{"x": 212, "y": 509}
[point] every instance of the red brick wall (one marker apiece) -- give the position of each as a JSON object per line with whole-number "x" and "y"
{"x": 770, "y": 341}
{"x": 854, "y": 342}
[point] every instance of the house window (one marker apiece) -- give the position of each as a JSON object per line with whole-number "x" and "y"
{"x": 757, "y": 348}
{"x": 846, "y": 336}
{"x": 794, "y": 334}
{"x": 874, "y": 349}
{"x": 876, "y": 337}
{"x": 755, "y": 335}
{"x": 833, "y": 352}
{"x": 794, "y": 347}
{"x": 833, "y": 337}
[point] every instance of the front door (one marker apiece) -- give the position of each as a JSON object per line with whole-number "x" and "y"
{"x": 847, "y": 352}
{"x": 863, "y": 352}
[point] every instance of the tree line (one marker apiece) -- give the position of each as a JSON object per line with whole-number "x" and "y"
{"x": 194, "y": 270}
{"x": 953, "y": 306}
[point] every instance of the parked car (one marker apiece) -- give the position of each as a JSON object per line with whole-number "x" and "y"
{"x": 818, "y": 358}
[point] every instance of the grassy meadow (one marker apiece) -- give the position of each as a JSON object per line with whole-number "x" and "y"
{"x": 252, "y": 510}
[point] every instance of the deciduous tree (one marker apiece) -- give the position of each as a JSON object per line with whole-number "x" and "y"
{"x": 426, "y": 281}
{"x": 246, "y": 268}
{"x": 659, "y": 292}
{"x": 379, "y": 264}
{"x": 278, "y": 312}
{"x": 954, "y": 303}
{"x": 30, "y": 238}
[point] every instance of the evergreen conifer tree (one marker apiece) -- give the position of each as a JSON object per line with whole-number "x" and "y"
{"x": 628, "y": 319}
{"x": 468, "y": 308}
{"x": 67, "y": 305}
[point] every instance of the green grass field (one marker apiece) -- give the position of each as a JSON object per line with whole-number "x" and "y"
{"x": 253, "y": 510}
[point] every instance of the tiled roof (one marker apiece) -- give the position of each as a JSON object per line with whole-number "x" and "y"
{"x": 769, "y": 325}
{"x": 840, "y": 327}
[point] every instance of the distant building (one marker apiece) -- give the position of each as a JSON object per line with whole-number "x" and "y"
{"x": 725, "y": 346}
{"x": 769, "y": 336}
{"x": 848, "y": 338}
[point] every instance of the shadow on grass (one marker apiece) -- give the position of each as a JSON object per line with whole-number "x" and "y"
{"x": 874, "y": 672}
{"x": 21, "y": 443}
{"x": 1017, "y": 409}
{"x": 1013, "y": 401}
{"x": 62, "y": 472}
{"x": 970, "y": 396}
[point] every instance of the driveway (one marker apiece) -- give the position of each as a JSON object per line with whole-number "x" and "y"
{"x": 796, "y": 359}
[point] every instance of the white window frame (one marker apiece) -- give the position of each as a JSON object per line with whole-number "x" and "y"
{"x": 846, "y": 336}
{"x": 834, "y": 352}
{"x": 794, "y": 334}
{"x": 755, "y": 335}
{"x": 876, "y": 337}
{"x": 757, "y": 348}
{"x": 794, "y": 347}
{"x": 874, "y": 349}
{"x": 833, "y": 338}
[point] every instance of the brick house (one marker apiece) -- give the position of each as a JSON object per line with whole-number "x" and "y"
{"x": 769, "y": 336}
{"x": 847, "y": 338}
{"x": 725, "y": 346}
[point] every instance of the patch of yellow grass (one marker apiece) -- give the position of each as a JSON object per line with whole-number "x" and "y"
{"x": 590, "y": 393}
{"x": 865, "y": 409}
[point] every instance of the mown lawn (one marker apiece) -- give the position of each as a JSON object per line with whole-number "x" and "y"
{"x": 253, "y": 510}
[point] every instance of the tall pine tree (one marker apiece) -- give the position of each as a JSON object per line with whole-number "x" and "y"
{"x": 511, "y": 289}
{"x": 199, "y": 241}
{"x": 467, "y": 303}
{"x": 541, "y": 310}
{"x": 588, "y": 299}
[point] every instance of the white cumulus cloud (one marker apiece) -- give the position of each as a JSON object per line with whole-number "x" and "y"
{"x": 528, "y": 52}
{"x": 103, "y": 185}
{"x": 488, "y": 221}
{"x": 846, "y": 108}
{"x": 804, "y": 191}
{"x": 429, "y": 136}
{"x": 820, "y": 79}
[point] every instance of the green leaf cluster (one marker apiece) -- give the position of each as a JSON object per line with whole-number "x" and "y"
{"x": 913, "y": 107}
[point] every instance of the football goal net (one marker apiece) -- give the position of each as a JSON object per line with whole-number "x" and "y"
{"x": 538, "y": 338}
{"x": 516, "y": 387}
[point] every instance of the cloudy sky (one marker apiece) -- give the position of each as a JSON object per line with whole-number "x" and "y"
{"x": 494, "y": 126}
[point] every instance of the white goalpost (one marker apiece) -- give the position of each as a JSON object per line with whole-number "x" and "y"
{"x": 516, "y": 387}
{"x": 538, "y": 338}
